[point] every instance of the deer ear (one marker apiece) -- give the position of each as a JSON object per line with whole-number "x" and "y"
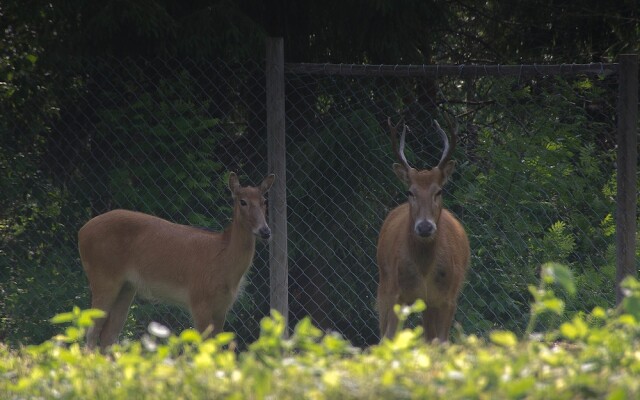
{"x": 266, "y": 183}
{"x": 234, "y": 184}
{"x": 448, "y": 169}
{"x": 401, "y": 172}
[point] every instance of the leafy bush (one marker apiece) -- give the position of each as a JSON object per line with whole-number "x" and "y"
{"x": 594, "y": 355}
{"x": 538, "y": 187}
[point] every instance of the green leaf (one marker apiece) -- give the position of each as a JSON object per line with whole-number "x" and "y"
{"x": 190, "y": 336}
{"x": 504, "y": 338}
{"x": 62, "y": 318}
{"x": 561, "y": 275}
{"x": 87, "y": 317}
{"x": 73, "y": 334}
{"x": 272, "y": 326}
{"x": 418, "y": 306}
{"x": 305, "y": 329}
{"x": 627, "y": 319}
{"x": 631, "y": 305}
{"x": 224, "y": 338}
{"x": 599, "y": 313}
{"x": 569, "y": 331}
{"x": 554, "y": 305}
{"x": 404, "y": 339}
{"x": 574, "y": 330}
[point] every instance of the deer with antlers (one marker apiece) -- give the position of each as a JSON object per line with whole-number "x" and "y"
{"x": 423, "y": 250}
{"x": 125, "y": 252}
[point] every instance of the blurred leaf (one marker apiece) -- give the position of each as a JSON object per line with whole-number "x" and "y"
{"x": 631, "y": 305}
{"x": 190, "y": 336}
{"x": 62, "y": 318}
{"x": 504, "y": 338}
{"x": 561, "y": 275}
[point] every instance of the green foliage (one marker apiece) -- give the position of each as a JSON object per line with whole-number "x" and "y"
{"x": 160, "y": 148}
{"x": 37, "y": 261}
{"x": 591, "y": 356}
{"x": 30, "y": 202}
{"x": 545, "y": 300}
{"x": 538, "y": 188}
{"x": 80, "y": 321}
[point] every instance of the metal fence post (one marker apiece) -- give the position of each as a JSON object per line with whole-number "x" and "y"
{"x": 277, "y": 164}
{"x": 627, "y": 158}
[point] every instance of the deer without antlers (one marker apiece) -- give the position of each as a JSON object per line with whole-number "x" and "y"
{"x": 423, "y": 250}
{"x": 125, "y": 252}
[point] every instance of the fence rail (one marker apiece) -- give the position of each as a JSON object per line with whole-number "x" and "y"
{"x": 546, "y": 172}
{"x": 460, "y": 71}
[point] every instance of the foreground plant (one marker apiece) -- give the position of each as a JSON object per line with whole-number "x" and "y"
{"x": 592, "y": 355}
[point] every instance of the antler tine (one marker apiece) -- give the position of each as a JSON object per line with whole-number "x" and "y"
{"x": 394, "y": 142}
{"x": 448, "y": 147}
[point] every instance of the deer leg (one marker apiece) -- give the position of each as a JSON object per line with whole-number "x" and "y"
{"x": 392, "y": 323}
{"x": 93, "y": 333}
{"x": 388, "y": 318}
{"x": 436, "y": 322}
{"x": 103, "y": 298}
{"x": 447, "y": 320}
{"x": 117, "y": 317}
{"x": 430, "y": 323}
{"x": 205, "y": 316}
{"x": 218, "y": 324}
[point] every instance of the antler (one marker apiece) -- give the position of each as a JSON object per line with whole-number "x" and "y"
{"x": 394, "y": 143}
{"x": 448, "y": 148}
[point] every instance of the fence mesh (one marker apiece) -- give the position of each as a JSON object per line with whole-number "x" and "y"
{"x": 535, "y": 182}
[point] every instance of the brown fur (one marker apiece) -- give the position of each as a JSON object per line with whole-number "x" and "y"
{"x": 126, "y": 252}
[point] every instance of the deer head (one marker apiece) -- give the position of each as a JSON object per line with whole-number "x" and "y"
{"x": 250, "y": 205}
{"x": 424, "y": 186}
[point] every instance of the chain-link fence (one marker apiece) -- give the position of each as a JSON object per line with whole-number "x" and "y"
{"x": 535, "y": 182}
{"x": 155, "y": 136}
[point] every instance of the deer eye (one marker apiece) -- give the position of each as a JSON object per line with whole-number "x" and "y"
{"x": 243, "y": 203}
{"x": 410, "y": 193}
{"x": 439, "y": 193}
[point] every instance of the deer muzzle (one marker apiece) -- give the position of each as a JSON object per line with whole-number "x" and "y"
{"x": 264, "y": 233}
{"x": 425, "y": 228}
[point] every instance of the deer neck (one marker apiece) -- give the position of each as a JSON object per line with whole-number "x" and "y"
{"x": 423, "y": 251}
{"x": 239, "y": 250}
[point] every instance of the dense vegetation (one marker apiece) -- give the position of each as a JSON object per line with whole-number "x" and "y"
{"x": 594, "y": 355}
